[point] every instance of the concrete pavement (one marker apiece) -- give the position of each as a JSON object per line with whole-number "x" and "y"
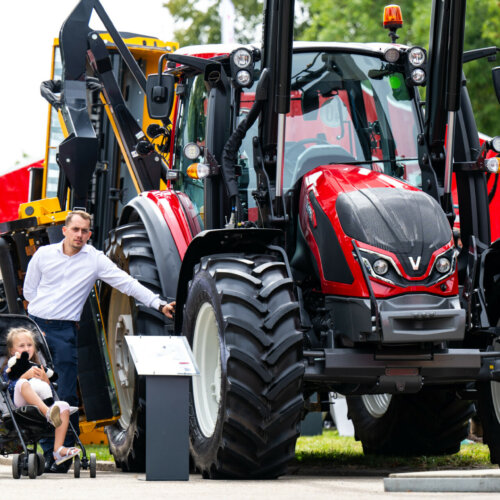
{"x": 111, "y": 485}
{"x": 479, "y": 480}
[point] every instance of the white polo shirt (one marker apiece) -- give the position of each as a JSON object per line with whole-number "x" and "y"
{"x": 57, "y": 285}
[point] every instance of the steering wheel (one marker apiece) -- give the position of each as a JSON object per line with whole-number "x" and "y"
{"x": 290, "y": 152}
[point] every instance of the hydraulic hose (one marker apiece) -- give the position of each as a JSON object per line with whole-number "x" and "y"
{"x": 230, "y": 152}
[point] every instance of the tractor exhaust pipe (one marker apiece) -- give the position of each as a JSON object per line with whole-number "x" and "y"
{"x": 455, "y": 50}
{"x": 282, "y": 100}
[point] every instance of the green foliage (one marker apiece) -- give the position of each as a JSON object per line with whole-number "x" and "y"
{"x": 349, "y": 21}
{"x": 200, "y": 22}
{"x": 356, "y": 21}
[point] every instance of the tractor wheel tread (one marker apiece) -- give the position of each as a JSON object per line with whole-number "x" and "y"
{"x": 262, "y": 401}
{"x": 429, "y": 422}
{"x": 130, "y": 248}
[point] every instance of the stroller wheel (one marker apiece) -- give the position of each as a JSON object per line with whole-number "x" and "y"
{"x": 17, "y": 461}
{"x": 40, "y": 462}
{"x": 93, "y": 465}
{"x": 77, "y": 464}
{"x": 32, "y": 466}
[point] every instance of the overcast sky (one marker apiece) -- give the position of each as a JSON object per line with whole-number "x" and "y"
{"x": 28, "y": 30}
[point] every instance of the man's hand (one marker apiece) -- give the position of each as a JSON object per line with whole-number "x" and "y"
{"x": 169, "y": 310}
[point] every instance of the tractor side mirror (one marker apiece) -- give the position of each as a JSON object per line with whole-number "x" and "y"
{"x": 495, "y": 73}
{"x": 160, "y": 95}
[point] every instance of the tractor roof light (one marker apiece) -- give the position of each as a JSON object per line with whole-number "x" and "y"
{"x": 242, "y": 65}
{"x": 417, "y": 56}
{"x": 391, "y": 55}
{"x": 495, "y": 144}
{"x": 198, "y": 171}
{"x": 418, "y": 77}
{"x": 242, "y": 58}
{"x": 243, "y": 78}
{"x": 415, "y": 66}
{"x": 393, "y": 20}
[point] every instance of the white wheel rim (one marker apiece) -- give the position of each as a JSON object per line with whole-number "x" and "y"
{"x": 120, "y": 323}
{"x": 207, "y": 386}
{"x": 376, "y": 404}
{"x": 495, "y": 397}
{"x": 495, "y": 388}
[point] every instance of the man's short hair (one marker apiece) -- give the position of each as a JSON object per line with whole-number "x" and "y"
{"x": 81, "y": 213}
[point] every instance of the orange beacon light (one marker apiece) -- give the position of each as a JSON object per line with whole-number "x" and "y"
{"x": 393, "y": 20}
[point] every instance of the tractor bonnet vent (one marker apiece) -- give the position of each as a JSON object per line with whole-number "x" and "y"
{"x": 408, "y": 223}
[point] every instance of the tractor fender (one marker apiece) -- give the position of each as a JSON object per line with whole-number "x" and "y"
{"x": 250, "y": 240}
{"x": 168, "y": 231}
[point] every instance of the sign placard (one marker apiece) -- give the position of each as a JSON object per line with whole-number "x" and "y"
{"x": 158, "y": 355}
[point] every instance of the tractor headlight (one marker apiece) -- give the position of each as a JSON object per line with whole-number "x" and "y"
{"x": 381, "y": 266}
{"x": 443, "y": 265}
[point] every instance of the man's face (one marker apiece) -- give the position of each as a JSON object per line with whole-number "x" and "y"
{"x": 77, "y": 233}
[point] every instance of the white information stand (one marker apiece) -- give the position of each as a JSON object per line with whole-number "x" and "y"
{"x": 166, "y": 363}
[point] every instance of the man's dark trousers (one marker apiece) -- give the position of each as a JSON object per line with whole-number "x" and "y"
{"x": 61, "y": 337}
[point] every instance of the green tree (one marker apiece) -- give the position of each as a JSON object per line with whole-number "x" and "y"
{"x": 200, "y": 22}
{"x": 361, "y": 21}
{"x": 352, "y": 21}
{"x": 482, "y": 28}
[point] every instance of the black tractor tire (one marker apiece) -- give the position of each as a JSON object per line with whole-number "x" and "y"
{"x": 432, "y": 422}
{"x": 242, "y": 322}
{"x": 489, "y": 413}
{"x": 131, "y": 250}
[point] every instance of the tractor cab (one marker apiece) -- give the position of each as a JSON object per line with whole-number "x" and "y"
{"x": 349, "y": 105}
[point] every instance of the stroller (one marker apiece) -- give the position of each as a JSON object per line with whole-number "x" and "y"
{"x": 22, "y": 428}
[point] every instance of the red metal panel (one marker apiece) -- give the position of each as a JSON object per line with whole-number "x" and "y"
{"x": 171, "y": 208}
{"x": 15, "y": 190}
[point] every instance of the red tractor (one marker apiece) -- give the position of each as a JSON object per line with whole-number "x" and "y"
{"x": 305, "y": 232}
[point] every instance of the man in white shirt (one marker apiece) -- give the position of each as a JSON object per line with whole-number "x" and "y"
{"x": 58, "y": 281}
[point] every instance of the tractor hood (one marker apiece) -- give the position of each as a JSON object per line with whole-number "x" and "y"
{"x": 410, "y": 224}
{"x": 385, "y": 216}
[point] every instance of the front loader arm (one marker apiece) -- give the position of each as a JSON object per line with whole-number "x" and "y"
{"x": 78, "y": 153}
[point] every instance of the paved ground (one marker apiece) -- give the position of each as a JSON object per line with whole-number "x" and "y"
{"x": 111, "y": 485}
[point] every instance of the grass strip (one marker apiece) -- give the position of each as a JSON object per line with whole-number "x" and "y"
{"x": 334, "y": 451}
{"x": 330, "y": 452}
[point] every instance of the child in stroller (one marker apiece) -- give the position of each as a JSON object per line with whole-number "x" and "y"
{"x": 33, "y": 385}
{"x": 31, "y": 412}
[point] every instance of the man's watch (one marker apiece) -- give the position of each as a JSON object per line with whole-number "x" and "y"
{"x": 161, "y": 306}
